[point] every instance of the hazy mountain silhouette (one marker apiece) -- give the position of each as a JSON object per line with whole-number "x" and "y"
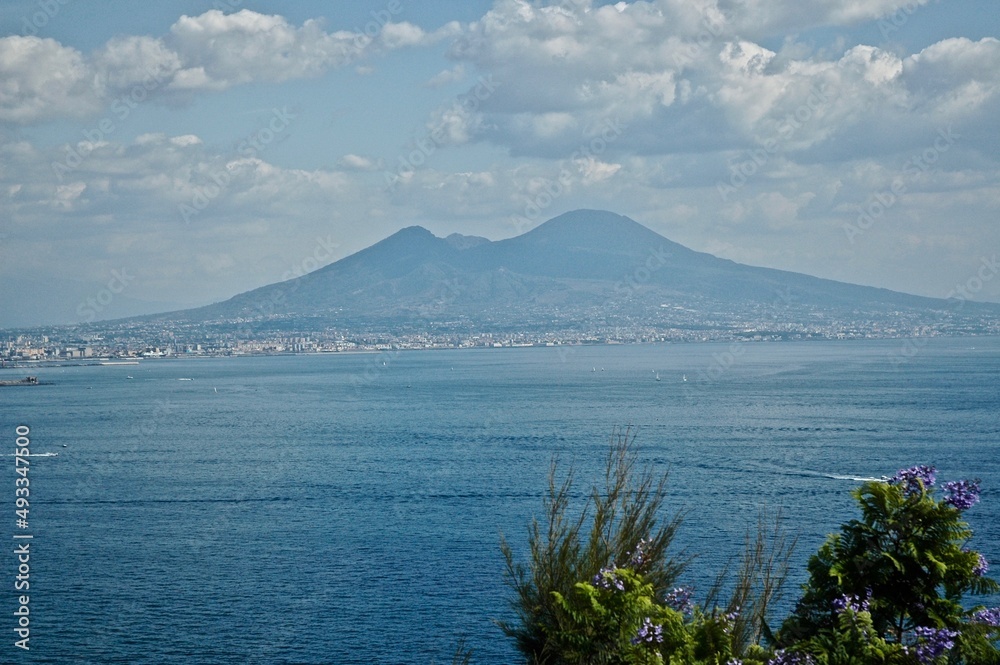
{"x": 574, "y": 265}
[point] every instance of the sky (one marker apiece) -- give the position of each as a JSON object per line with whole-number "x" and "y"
{"x": 164, "y": 155}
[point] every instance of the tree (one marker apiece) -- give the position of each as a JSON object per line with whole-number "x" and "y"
{"x": 610, "y": 599}
{"x": 906, "y": 565}
{"x": 621, "y": 522}
{"x": 887, "y": 589}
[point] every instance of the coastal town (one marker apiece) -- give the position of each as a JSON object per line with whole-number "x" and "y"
{"x": 135, "y": 339}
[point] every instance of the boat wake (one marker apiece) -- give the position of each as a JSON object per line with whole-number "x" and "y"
{"x": 862, "y": 479}
{"x": 34, "y": 455}
{"x": 835, "y": 476}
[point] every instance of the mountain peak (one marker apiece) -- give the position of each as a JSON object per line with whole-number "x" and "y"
{"x": 412, "y": 232}
{"x": 590, "y": 217}
{"x": 562, "y": 268}
{"x": 597, "y": 229}
{"x": 459, "y": 241}
{"x": 411, "y": 237}
{"x": 590, "y": 222}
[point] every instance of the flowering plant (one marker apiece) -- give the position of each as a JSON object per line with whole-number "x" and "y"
{"x": 905, "y": 567}
{"x": 887, "y": 589}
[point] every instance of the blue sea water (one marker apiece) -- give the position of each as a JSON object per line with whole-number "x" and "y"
{"x": 348, "y": 508}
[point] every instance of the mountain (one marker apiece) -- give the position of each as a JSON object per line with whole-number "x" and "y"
{"x": 579, "y": 268}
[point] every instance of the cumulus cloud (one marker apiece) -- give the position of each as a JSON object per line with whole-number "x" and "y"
{"x": 42, "y": 79}
{"x": 158, "y": 200}
{"x": 695, "y": 77}
{"x": 447, "y": 76}
{"x": 594, "y": 170}
{"x": 222, "y": 50}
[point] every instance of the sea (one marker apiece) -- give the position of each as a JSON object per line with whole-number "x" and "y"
{"x": 348, "y": 508}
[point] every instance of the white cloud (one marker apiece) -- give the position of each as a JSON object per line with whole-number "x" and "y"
{"x": 956, "y": 73}
{"x": 694, "y": 77}
{"x": 127, "y": 61}
{"x": 400, "y": 35}
{"x": 447, "y": 76}
{"x": 222, "y": 50}
{"x": 357, "y": 163}
{"x": 594, "y": 170}
{"x": 760, "y": 18}
{"x": 185, "y": 140}
{"x": 41, "y": 79}
{"x": 124, "y": 203}
{"x": 546, "y": 125}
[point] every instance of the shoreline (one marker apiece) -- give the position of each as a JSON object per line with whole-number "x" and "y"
{"x": 117, "y": 361}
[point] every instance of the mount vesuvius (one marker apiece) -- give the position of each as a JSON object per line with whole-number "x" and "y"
{"x": 581, "y": 268}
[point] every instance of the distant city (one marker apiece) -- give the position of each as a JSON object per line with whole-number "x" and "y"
{"x": 134, "y": 339}
{"x": 585, "y": 277}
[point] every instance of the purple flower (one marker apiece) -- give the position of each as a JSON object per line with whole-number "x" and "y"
{"x": 914, "y": 478}
{"x": 609, "y": 579}
{"x": 782, "y": 657}
{"x": 852, "y": 602}
{"x": 933, "y": 642}
{"x": 991, "y": 617}
{"x": 981, "y": 567}
{"x": 679, "y": 599}
{"x": 649, "y": 632}
{"x": 962, "y": 494}
{"x": 637, "y": 559}
{"x": 729, "y": 618}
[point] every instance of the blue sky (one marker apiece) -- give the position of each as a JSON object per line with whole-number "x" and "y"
{"x": 206, "y": 148}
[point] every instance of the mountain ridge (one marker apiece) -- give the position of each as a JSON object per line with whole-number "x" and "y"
{"x": 583, "y": 263}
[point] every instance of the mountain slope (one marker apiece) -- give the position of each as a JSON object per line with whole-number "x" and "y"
{"x": 573, "y": 267}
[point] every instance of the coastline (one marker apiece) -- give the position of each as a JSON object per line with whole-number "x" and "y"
{"x": 908, "y": 343}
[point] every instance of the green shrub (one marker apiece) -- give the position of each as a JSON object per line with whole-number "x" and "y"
{"x": 621, "y": 518}
{"x": 888, "y": 589}
{"x": 907, "y": 563}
